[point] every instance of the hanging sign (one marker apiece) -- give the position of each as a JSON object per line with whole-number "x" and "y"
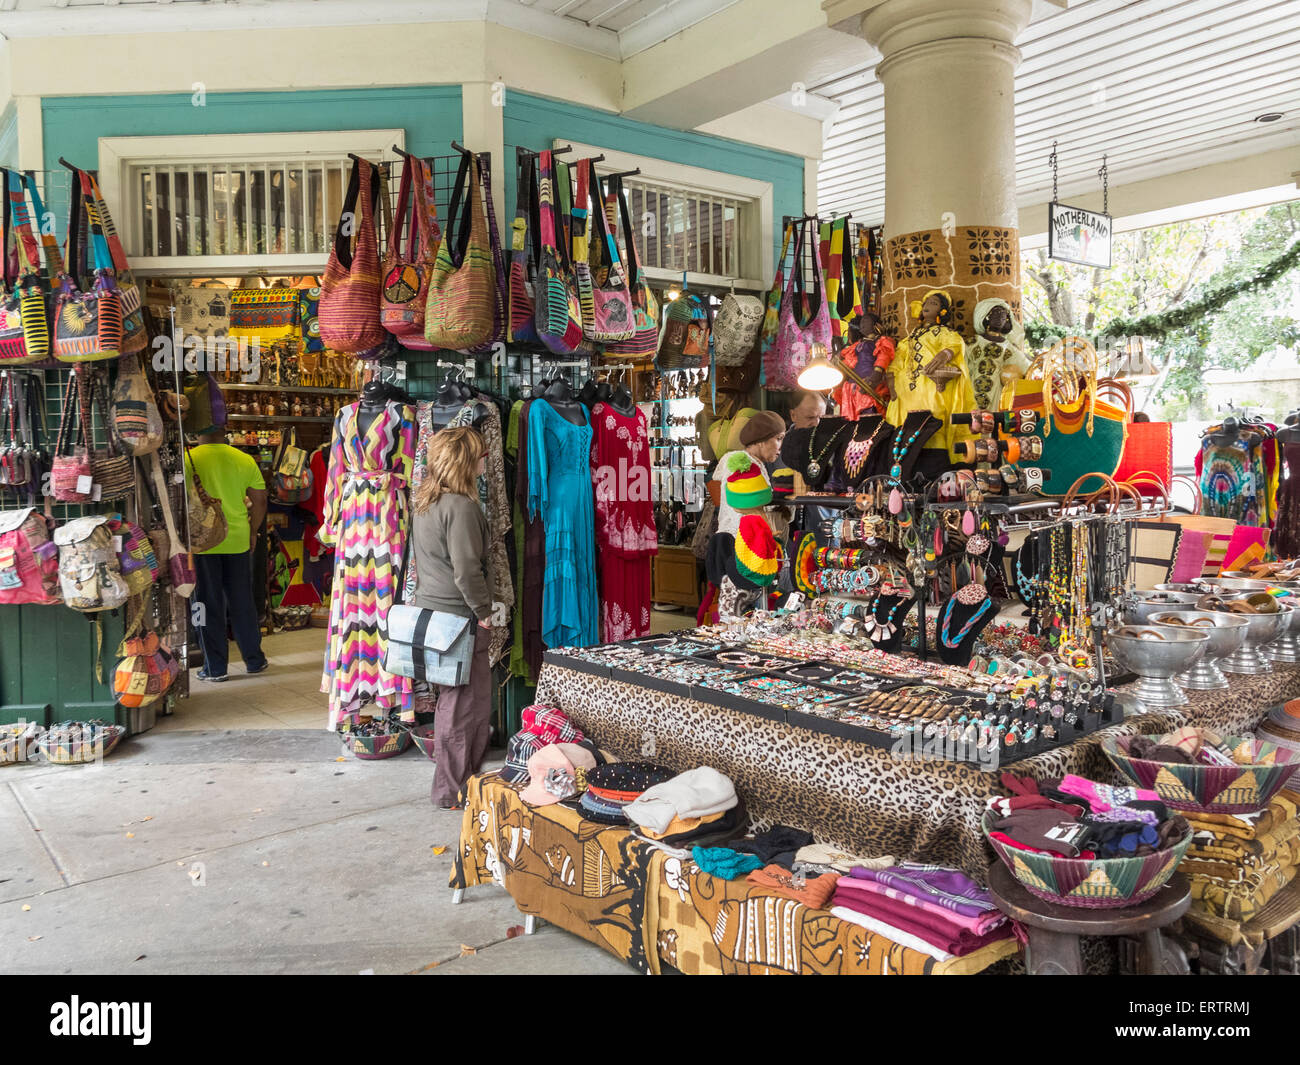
{"x": 1075, "y": 235}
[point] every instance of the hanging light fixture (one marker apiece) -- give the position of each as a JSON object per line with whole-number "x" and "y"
{"x": 825, "y": 371}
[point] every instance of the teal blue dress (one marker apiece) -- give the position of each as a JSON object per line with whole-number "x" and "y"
{"x": 560, "y": 491}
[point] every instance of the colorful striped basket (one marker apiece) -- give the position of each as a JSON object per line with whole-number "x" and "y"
{"x": 18, "y": 742}
{"x": 1211, "y": 789}
{"x": 1090, "y": 883}
{"x": 81, "y": 743}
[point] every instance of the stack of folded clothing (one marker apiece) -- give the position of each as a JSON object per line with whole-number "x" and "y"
{"x": 612, "y": 788}
{"x": 1238, "y": 862}
{"x": 540, "y": 726}
{"x": 696, "y": 805}
{"x": 940, "y": 912}
{"x": 774, "y": 848}
{"x": 1078, "y": 818}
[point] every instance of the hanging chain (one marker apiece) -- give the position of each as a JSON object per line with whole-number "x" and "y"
{"x": 1104, "y": 174}
{"x": 1051, "y": 161}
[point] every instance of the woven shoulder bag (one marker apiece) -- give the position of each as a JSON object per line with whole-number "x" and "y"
{"x": 348, "y": 314}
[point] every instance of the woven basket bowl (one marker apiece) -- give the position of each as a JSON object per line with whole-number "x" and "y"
{"x": 17, "y": 742}
{"x": 1207, "y": 789}
{"x": 80, "y": 752}
{"x": 1090, "y": 883}
{"x": 382, "y": 745}
{"x": 422, "y": 735}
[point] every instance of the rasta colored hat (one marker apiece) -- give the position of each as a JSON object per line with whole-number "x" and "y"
{"x": 754, "y": 563}
{"x": 764, "y": 425}
{"x": 746, "y": 484}
{"x": 783, "y": 482}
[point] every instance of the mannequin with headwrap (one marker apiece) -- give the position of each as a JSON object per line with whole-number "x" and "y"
{"x": 929, "y": 374}
{"x": 996, "y": 357}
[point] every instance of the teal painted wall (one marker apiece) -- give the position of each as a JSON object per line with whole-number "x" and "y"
{"x": 536, "y": 122}
{"x": 9, "y": 136}
{"x": 430, "y": 114}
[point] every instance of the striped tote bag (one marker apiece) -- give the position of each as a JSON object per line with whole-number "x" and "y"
{"x": 462, "y": 309}
{"x": 597, "y": 266}
{"x": 644, "y": 341}
{"x": 406, "y": 275}
{"x": 523, "y": 256}
{"x": 348, "y": 313}
{"x": 559, "y": 312}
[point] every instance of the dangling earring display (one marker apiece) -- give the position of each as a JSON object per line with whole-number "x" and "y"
{"x": 968, "y": 525}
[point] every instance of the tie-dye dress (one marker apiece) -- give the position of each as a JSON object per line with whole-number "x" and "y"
{"x": 367, "y": 518}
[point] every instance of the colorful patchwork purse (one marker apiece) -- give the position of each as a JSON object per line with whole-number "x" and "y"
{"x": 87, "y": 325}
{"x": 598, "y": 270}
{"x": 644, "y": 340}
{"x": 804, "y": 320}
{"x": 523, "y": 256}
{"x": 25, "y": 308}
{"x": 134, "y": 338}
{"x": 460, "y": 312}
{"x": 559, "y": 311}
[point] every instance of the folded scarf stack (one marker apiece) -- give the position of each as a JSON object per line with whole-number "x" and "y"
{"x": 940, "y": 912}
{"x": 1237, "y": 863}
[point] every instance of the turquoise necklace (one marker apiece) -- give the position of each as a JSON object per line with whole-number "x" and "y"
{"x": 900, "y": 449}
{"x": 955, "y": 641}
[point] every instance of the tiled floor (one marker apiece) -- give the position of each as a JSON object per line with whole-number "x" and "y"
{"x": 288, "y": 694}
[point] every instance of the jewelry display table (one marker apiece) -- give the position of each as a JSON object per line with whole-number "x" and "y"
{"x": 659, "y": 913}
{"x": 846, "y": 792}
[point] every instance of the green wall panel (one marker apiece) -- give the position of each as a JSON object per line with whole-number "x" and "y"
{"x": 47, "y": 660}
{"x": 536, "y": 122}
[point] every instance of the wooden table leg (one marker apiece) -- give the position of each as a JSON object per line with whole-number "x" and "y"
{"x": 1159, "y": 957}
{"x": 1053, "y": 954}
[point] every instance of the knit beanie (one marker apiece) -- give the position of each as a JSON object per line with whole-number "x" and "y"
{"x": 746, "y": 485}
{"x": 764, "y": 425}
{"x": 756, "y": 554}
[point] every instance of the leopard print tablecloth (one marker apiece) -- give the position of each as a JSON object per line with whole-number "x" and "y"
{"x": 850, "y": 794}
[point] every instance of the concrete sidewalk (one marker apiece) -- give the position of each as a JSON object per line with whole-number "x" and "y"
{"x": 249, "y": 851}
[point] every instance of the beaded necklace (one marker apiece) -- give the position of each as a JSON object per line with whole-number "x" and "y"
{"x": 955, "y": 641}
{"x": 878, "y": 630}
{"x": 900, "y": 449}
{"x": 814, "y": 466}
{"x": 856, "y": 452}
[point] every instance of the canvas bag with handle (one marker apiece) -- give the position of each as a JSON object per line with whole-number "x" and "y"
{"x": 523, "y": 255}
{"x": 137, "y": 424}
{"x": 462, "y": 290}
{"x": 644, "y": 340}
{"x": 559, "y": 310}
{"x": 804, "y": 320}
{"x": 87, "y": 324}
{"x": 71, "y": 479}
{"x": 348, "y": 313}
{"x": 293, "y": 477}
{"x": 24, "y": 310}
{"x": 427, "y": 645}
{"x": 207, "y": 520}
{"x": 134, "y": 338}
{"x": 500, "y": 282}
{"x": 602, "y": 286}
{"x": 113, "y": 471}
{"x": 772, "y": 303}
{"x": 735, "y": 328}
{"x": 406, "y": 274}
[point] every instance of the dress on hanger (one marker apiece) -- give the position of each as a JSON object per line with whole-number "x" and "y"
{"x": 367, "y": 520}
{"x": 560, "y": 492}
{"x": 1286, "y": 538}
{"x": 534, "y": 564}
{"x": 514, "y": 449}
{"x": 625, "y": 526}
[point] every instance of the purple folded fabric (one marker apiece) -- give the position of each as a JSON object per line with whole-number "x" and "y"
{"x": 944, "y": 887}
{"x": 929, "y": 927}
{"x": 980, "y": 925}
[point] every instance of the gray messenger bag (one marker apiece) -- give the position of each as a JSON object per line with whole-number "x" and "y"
{"x": 429, "y": 645}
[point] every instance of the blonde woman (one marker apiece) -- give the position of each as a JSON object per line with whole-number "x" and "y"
{"x": 450, "y": 543}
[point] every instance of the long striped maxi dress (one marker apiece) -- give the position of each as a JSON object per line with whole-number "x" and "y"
{"x": 367, "y": 519}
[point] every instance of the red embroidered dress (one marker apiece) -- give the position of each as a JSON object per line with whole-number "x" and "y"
{"x": 625, "y": 526}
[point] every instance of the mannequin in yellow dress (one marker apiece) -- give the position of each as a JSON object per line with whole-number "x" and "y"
{"x": 929, "y": 374}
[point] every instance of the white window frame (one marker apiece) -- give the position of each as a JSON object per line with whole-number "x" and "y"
{"x": 755, "y": 244}
{"x": 118, "y": 154}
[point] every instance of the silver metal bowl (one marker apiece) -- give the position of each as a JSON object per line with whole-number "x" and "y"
{"x": 1286, "y": 648}
{"x": 1157, "y": 653}
{"x": 1139, "y": 608}
{"x": 1224, "y": 583}
{"x": 1193, "y": 587}
{"x": 1261, "y": 630}
{"x": 1227, "y": 633}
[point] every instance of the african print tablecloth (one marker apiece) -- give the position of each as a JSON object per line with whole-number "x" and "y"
{"x": 851, "y": 794}
{"x": 659, "y": 913}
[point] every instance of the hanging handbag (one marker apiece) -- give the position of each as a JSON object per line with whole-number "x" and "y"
{"x": 137, "y": 424}
{"x": 427, "y": 645}
{"x": 680, "y": 345}
{"x": 29, "y": 559}
{"x": 180, "y": 563}
{"x": 804, "y": 321}
{"x": 207, "y": 519}
{"x": 460, "y": 310}
{"x": 293, "y": 482}
{"x": 644, "y": 341}
{"x": 735, "y": 328}
{"x": 559, "y": 311}
{"x": 838, "y": 265}
{"x": 772, "y": 302}
{"x": 23, "y": 461}
{"x": 24, "y": 304}
{"x": 523, "y": 255}
{"x": 71, "y": 480}
{"x": 406, "y": 277}
{"x": 134, "y": 338}
{"x": 348, "y": 313}
{"x": 500, "y": 291}
{"x": 602, "y": 285}
{"x": 145, "y": 673}
{"x": 113, "y": 471}
{"x": 87, "y": 325}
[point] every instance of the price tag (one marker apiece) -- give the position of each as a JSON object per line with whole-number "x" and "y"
{"x": 97, "y": 493}
{"x": 178, "y": 477}
{"x": 83, "y": 484}
{"x": 117, "y": 545}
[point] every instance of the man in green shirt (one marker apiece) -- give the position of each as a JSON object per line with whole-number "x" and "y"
{"x": 225, "y": 572}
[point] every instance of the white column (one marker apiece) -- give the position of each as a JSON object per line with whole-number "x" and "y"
{"x": 483, "y": 111}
